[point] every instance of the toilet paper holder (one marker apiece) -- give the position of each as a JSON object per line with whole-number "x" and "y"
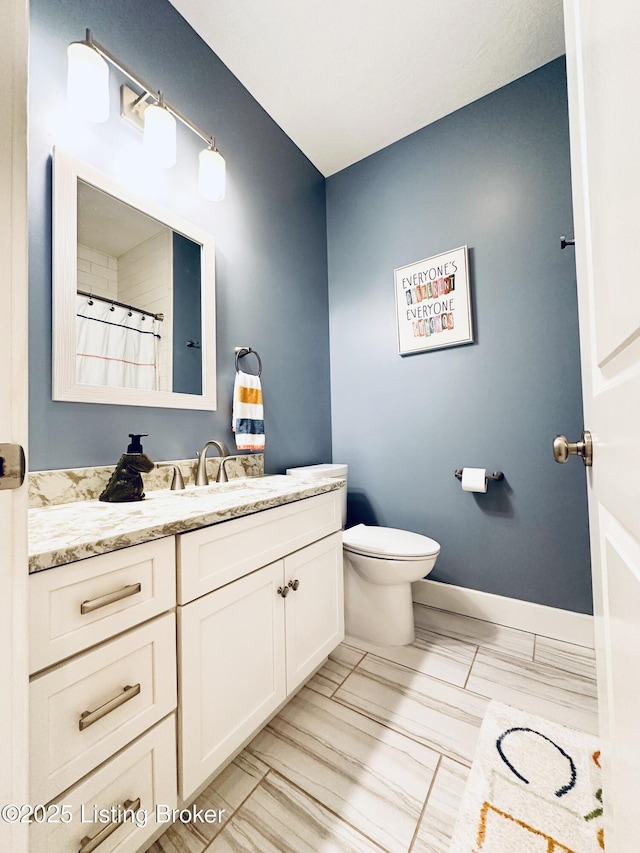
{"x": 497, "y": 475}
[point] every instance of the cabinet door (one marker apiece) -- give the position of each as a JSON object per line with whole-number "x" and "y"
{"x": 231, "y": 670}
{"x": 315, "y": 609}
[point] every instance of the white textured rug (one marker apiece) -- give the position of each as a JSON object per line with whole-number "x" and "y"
{"x": 535, "y": 787}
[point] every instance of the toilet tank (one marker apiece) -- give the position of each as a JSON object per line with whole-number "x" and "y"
{"x": 326, "y": 469}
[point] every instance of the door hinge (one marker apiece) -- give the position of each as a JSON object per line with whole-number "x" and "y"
{"x": 12, "y": 466}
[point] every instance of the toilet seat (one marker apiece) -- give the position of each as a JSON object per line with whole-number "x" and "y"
{"x": 388, "y": 543}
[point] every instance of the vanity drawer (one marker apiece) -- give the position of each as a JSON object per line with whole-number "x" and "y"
{"x": 145, "y": 771}
{"x": 216, "y": 555}
{"x": 127, "y": 685}
{"x": 81, "y": 604}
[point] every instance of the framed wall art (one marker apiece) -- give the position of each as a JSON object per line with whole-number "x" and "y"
{"x": 433, "y": 302}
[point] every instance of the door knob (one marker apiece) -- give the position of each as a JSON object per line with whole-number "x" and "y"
{"x": 563, "y": 449}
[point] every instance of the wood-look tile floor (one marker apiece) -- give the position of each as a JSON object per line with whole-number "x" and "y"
{"x": 374, "y": 752}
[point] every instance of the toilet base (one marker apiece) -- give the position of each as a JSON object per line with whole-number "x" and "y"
{"x": 378, "y": 614}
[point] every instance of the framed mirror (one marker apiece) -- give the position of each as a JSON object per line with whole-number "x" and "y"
{"x": 133, "y": 305}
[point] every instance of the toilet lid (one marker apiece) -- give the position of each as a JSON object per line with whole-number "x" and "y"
{"x": 388, "y": 543}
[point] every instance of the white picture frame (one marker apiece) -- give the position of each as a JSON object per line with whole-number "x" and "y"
{"x": 433, "y": 302}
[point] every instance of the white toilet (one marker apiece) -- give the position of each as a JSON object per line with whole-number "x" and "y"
{"x": 380, "y": 564}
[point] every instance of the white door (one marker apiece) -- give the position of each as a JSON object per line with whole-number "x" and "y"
{"x": 603, "y": 65}
{"x": 13, "y": 415}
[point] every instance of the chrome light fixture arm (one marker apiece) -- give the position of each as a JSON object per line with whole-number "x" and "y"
{"x": 147, "y": 90}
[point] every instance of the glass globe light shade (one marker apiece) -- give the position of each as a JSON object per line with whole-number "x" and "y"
{"x": 211, "y": 174}
{"x": 160, "y": 136}
{"x": 87, "y": 82}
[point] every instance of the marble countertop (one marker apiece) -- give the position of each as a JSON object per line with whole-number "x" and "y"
{"x": 65, "y": 533}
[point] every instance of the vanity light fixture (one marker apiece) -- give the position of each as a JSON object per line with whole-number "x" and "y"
{"x": 88, "y": 93}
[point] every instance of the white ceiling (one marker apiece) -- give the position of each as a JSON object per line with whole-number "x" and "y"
{"x": 345, "y": 78}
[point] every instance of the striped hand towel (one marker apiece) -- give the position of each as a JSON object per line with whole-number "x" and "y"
{"x": 247, "y": 420}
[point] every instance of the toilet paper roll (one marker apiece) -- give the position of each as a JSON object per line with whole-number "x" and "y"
{"x": 474, "y": 479}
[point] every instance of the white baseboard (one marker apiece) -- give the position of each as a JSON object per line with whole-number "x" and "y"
{"x": 523, "y": 615}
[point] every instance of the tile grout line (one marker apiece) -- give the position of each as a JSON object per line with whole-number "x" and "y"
{"x": 427, "y": 675}
{"x": 386, "y": 725}
{"x": 364, "y": 654}
{"x": 474, "y": 641}
{"x": 466, "y": 681}
{"x": 410, "y": 668}
{"x": 322, "y": 805}
{"x": 426, "y": 803}
{"x": 237, "y": 809}
{"x": 378, "y": 722}
{"x": 474, "y": 619}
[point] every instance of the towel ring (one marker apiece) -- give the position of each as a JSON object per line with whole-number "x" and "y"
{"x": 241, "y": 352}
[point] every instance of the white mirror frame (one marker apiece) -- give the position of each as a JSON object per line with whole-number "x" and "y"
{"x": 67, "y": 170}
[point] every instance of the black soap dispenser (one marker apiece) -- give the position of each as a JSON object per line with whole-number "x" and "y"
{"x": 126, "y": 481}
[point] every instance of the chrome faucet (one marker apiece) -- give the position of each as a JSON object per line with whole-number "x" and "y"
{"x": 201, "y": 470}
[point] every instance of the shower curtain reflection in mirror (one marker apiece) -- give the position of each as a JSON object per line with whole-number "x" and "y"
{"x": 116, "y": 347}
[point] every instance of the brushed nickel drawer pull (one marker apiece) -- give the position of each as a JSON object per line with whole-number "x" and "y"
{"x": 88, "y": 718}
{"x": 90, "y": 843}
{"x": 109, "y": 598}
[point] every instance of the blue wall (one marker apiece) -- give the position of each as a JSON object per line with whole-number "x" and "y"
{"x": 271, "y": 267}
{"x": 494, "y": 176}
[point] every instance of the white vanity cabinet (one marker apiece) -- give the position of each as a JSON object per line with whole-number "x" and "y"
{"x": 256, "y": 604}
{"x": 270, "y": 608}
{"x": 103, "y": 697}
